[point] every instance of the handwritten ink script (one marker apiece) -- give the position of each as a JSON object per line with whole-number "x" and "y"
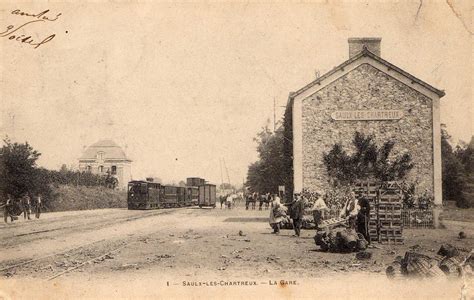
{"x": 19, "y": 33}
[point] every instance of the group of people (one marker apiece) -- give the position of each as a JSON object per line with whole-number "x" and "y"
{"x": 228, "y": 201}
{"x": 355, "y": 210}
{"x": 264, "y": 200}
{"x": 23, "y": 204}
{"x": 295, "y": 209}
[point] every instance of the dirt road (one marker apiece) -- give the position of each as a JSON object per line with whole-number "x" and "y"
{"x": 185, "y": 245}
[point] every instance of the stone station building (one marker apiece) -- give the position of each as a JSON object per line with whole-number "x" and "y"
{"x": 367, "y": 94}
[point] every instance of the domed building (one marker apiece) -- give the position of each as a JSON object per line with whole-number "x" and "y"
{"x": 104, "y": 157}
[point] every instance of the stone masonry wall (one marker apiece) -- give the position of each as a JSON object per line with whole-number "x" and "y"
{"x": 367, "y": 88}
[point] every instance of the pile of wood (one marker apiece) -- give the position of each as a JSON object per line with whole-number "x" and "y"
{"x": 414, "y": 264}
{"x": 389, "y": 214}
{"x": 385, "y": 223}
{"x": 340, "y": 239}
{"x": 370, "y": 190}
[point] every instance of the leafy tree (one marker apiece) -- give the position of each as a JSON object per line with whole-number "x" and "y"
{"x": 268, "y": 172}
{"x": 18, "y": 163}
{"x": 368, "y": 161}
{"x": 465, "y": 154}
{"x": 42, "y": 185}
{"x": 454, "y": 180}
{"x": 275, "y": 164}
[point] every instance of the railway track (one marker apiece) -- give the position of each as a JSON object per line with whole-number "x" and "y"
{"x": 92, "y": 225}
{"x": 83, "y": 227}
{"x": 88, "y": 261}
{"x": 23, "y": 263}
{"x": 78, "y": 266}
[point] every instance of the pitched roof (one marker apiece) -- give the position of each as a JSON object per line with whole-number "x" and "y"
{"x": 111, "y": 151}
{"x": 366, "y": 52}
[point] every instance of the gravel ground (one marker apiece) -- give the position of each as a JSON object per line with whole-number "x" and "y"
{"x": 131, "y": 251}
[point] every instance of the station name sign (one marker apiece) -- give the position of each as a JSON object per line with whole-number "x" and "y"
{"x": 366, "y": 115}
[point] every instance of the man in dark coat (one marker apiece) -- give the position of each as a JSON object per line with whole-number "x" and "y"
{"x": 38, "y": 205}
{"x": 25, "y": 203}
{"x": 296, "y": 213}
{"x": 363, "y": 217}
{"x": 8, "y": 209}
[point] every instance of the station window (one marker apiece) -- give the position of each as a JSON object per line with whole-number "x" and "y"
{"x": 114, "y": 170}
{"x": 88, "y": 168}
{"x": 101, "y": 169}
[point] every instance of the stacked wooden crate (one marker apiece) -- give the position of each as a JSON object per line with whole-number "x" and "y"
{"x": 370, "y": 190}
{"x": 389, "y": 212}
{"x": 385, "y": 224}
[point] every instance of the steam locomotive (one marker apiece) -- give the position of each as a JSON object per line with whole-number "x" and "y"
{"x": 151, "y": 195}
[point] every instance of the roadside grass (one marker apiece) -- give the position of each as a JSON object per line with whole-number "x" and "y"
{"x": 453, "y": 213}
{"x": 68, "y": 198}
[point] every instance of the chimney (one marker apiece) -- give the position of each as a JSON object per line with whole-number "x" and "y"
{"x": 356, "y": 45}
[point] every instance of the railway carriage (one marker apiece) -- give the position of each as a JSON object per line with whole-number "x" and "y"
{"x": 192, "y": 194}
{"x": 150, "y": 195}
{"x": 144, "y": 195}
{"x": 207, "y": 195}
{"x": 170, "y": 196}
{"x": 182, "y": 199}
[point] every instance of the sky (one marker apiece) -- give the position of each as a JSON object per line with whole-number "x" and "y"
{"x": 182, "y": 86}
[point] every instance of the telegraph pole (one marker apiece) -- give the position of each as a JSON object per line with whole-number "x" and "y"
{"x": 226, "y": 170}
{"x": 274, "y": 115}
{"x": 222, "y": 177}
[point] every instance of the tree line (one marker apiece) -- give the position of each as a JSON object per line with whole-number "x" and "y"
{"x": 20, "y": 174}
{"x": 458, "y": 171}
{"x": 275, "y": 164}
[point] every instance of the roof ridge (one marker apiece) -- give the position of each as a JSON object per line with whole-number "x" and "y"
{"x": 362, "y": 53}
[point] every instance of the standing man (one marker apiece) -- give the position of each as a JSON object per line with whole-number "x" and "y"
{"x": 222, "y": 199}
{"x": 363, "y": 218}
{"x": 25, "y": 202}
{"x": 229, "y": 200}
{"x": 8, "y": 209}
{"x": 350, "y": 210}
{"x": 38, "y": 206}
{"x": 268, "y": 200}
{"x": 297, "y": 212}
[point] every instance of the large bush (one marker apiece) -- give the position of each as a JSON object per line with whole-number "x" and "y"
{"x": 368, "y": 161}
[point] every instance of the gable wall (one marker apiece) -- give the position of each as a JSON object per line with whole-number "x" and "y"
{"x": 366, "y": 88}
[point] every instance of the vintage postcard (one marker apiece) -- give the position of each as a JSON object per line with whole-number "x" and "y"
{"x": 236, "y": 149}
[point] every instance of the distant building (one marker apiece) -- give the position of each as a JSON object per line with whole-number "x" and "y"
{"x": 104, "y": 157}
